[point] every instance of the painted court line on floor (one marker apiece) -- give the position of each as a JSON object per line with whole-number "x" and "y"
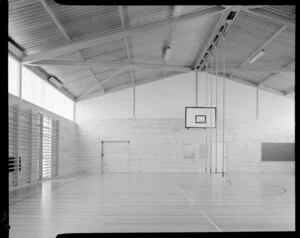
{"x": 214, "y": 224}
{"x": 192, "y": 202}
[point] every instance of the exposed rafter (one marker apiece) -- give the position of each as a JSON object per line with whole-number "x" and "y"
{"x": 108, "y": 64}
{"x": 101, "y": 83}
{"x": 289, "y": 91}
{"x": 128, "y": 53}
{"x": 119, "y": 35}
{"x": 62, "y": 30}
{"x": 271, "y": 16}
{"x": 255, "y": 68}
{"x": 128, "y": 85}
{"x": 176, "y": 14}
{"x": 158, "y": 67}
{"x": 255, "y": 85}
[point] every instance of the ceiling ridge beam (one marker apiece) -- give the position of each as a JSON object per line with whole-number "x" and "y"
{"x": 120, "y": 34}
{"x": 61, "y": 28}
{"x": 215, "y": 35}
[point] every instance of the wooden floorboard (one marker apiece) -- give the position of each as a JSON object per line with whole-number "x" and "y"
{"x": 120, "y": 202}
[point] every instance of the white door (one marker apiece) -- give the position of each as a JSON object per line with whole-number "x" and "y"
{"x": 217, "y": 163}
{"x": 115, "y": 156}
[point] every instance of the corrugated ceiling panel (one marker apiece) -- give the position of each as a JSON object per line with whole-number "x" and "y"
{"x": 32, "y": 28}
{"x": 110, "y": 51}
{"x": 86, "y": 22}
{"x": 246, "y": 34}
{"x": 149, "y": 46}
{"x": 139, "y": 15}
{"x": 84, "y": 86}
{"x": 281, "y": 51}
{"x": 71, "y": 56}
{"x": 189, "y": 37}
{"x": 121, "y": 79}
{"x": 288, "y": 11}
{"x": 193, "y": 8}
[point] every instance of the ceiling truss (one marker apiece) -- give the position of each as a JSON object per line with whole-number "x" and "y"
{"x": 222, "y": 25}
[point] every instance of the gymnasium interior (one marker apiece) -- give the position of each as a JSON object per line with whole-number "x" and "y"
{"x": 150, "y": 118}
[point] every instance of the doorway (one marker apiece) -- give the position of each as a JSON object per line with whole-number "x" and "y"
{"x": 115, "y": 156}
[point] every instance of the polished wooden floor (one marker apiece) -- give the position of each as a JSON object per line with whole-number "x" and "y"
{"x": 121, "y": 202}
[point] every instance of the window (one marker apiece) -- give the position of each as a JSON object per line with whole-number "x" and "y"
{"x": 13, "y": 76}
{"x": 41, "y": 93}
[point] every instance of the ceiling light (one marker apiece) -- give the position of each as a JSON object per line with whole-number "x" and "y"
{"x": 167, "y": 53}
{"x": 55, "y": 81}
{"x": 257, "y": 56}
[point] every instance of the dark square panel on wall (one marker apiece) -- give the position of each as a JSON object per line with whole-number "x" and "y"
{"x": 278, "y": 151}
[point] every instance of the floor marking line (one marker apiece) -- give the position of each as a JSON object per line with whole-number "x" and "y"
{"x": 214, "y": 224}
{"x": 187, "y": 197}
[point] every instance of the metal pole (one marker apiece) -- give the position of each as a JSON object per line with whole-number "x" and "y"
{"x": 216, "y": 109}
{"x": 196, "y": 88}
{"x": 206, "y": 147}
{"x": 211, "y": 114}
{"x": 223, "y": 137}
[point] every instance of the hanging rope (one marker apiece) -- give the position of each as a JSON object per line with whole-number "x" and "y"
{"x": 211, "y": 60}
{"x": 216, "y": 109}
{"x": 206, "y": 149}
{"x": 223, "y": 150}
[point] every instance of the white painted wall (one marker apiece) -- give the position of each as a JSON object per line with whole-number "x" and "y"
{"x": 67, "y": 136}
{"x": 158, "y": 134}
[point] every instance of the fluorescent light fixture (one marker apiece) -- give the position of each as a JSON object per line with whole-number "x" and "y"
{"x": 167, "y": 53}
{"x": 257, "y": 56}
{"x": 56, "y": 82}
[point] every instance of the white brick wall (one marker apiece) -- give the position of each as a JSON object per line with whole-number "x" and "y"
{"x": 158, "y": 134}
